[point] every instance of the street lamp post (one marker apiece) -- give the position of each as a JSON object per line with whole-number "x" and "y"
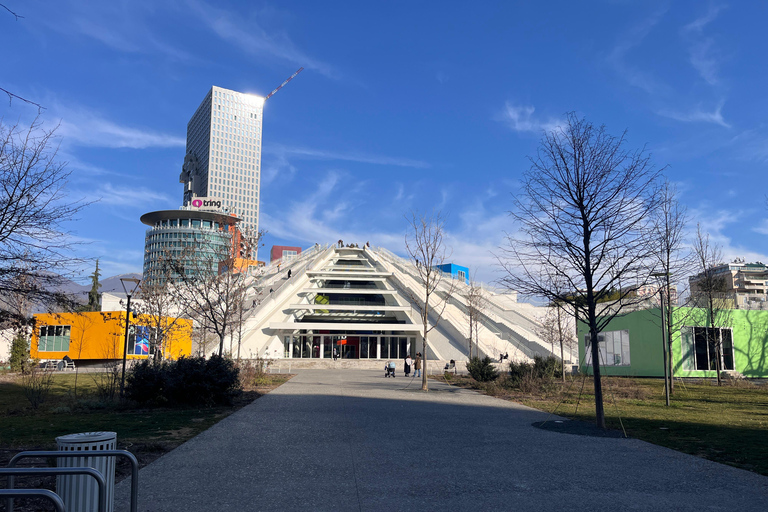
{"x": 135, "y": 282}
{"x": 664, "y": 336}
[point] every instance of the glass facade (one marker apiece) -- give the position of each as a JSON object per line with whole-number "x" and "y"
{"x": 224, "y": 152}
{"x": 348, "y": 346}
{"x": 197, "y": 241}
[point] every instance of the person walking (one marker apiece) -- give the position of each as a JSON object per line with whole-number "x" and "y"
{"x": 407, "y": 365}
{"x": 417, "y": 365}
{"x": 289, "y": 273}
{"x": 335, "y": 354}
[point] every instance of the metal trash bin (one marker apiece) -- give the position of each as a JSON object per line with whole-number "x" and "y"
{"x": 81, "y": 492}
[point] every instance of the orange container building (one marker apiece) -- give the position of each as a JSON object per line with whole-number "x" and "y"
{"x": 92, "y": 337}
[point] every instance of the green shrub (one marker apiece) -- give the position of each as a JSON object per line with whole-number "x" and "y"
{"x": 547, "y": 367}
{"x": 189, "y": 381}
{"x": 145, "y": 383}
{"x": 19, "y": 358}
{"x": 530, "y": 376}
{"x": 482, "y": 370}
{"x": 37, "y": 386}
{"x": 254, "y": 372}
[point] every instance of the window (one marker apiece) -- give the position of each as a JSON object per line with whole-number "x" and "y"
{"x": 613, "y": 347}
{"x": 138, "y": 341}
{"x": 461, "y": 275}
{"x": 698, "y": 348}
{"x": 54, "y": 338}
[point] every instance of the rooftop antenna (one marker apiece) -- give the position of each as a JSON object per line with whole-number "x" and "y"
{"x": 283, "y": 84}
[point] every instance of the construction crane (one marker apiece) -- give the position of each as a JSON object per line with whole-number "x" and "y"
{"x": 283, "y": 84}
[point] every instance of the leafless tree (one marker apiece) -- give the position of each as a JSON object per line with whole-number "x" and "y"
{"x": 212, "y": 291}
{"x": 82, "y": 323}
{"x": 675, "y": 260}
{"x": 554, "y": 331}
{"x": 12, "y": 96}
{"x": 33, "y": 209}
{"x": 475, "y": 306}
{"x": 424, "y": 244}
{"x": 708, "y": 289}
{"x": 584, "y": 217}
{"x": 161, "y": 305}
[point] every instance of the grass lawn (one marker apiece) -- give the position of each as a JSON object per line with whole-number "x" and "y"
{"x": 727, "y": 424}
{"x": 148, "y": 433}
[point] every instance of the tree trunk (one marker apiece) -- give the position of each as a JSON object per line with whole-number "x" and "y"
{"x": 425, "y": 321}
{"x": 560, "y": 336}
{"x": 718, "y": 352}
{"x": 599, "y": 412}
{"x": 221, "y": 344}
{"x": 424, "y": 386}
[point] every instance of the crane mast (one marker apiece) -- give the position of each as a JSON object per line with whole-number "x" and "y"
{"x": 283, "y": 84}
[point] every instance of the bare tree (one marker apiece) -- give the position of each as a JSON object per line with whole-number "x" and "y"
{"x": 555, "y": 331}
{"x": 33, "y": 209}
{"x": 12, "y": 96}
{"x": 674, "y": 259}
{"x": 161, "y": 305}
{"x": 475, "y": 306}
{"x": 211, "y": 289}
{"x": 424, "y": 244}
{"x": 82, "y": 323}
{"x": 708, "y": 289}
{"x": 584, "y": 217}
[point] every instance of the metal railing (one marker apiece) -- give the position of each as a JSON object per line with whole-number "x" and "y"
{"x": 106, "y": 453}
{"x": 11, "y": 472}
{"x": 58, "y": 504}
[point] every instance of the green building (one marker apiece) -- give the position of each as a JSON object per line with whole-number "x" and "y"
{"x": 631, "y": 344}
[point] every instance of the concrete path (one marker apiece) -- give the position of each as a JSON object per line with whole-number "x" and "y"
{"x": 352, "y": 440}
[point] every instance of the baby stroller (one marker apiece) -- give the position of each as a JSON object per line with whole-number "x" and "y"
{"x": 389, "y": 370}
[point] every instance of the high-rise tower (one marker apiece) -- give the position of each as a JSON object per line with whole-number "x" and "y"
{"x": 223, "y": 160}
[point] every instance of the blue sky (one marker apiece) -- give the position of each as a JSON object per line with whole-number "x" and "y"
{"x": 402, "y": 106}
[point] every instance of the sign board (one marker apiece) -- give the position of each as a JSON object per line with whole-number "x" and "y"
{"x": 205, "y": 203}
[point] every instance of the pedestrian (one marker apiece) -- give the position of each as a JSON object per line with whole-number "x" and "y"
{"x": 271, "y": 290}
{"x": 407, "y": 368}
{"x": 278, "y": 266}
{"x": 335, "y": 354}
{"x": 417, "y": 365}
{"x": 289, "y": 273}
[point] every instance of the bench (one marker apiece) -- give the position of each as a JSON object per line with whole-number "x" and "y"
{"x": 60, "y": 365}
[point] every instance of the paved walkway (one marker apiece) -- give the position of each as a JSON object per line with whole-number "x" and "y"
{"x": 352, "y": 440}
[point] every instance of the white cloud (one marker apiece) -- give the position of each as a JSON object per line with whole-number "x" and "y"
{"x": 84, "y": 127}
{"x": 521, "y": 119}
{"x": 319, "y": 154}
{"x": 716, "y": 222}
{"x": 122, "y": 26}
{"x": 762, "y": 228}
{"x": 247, "y": 34}
{"x": 699, "y": 23}
{"x": 698, "y": 115}
{"x": 139, "y": 197}
{"x": 703, "y": 51}
{"x": 631, "y": 39}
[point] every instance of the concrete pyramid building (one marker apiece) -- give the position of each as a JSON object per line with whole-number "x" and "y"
{"x": 358, "y": 303}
